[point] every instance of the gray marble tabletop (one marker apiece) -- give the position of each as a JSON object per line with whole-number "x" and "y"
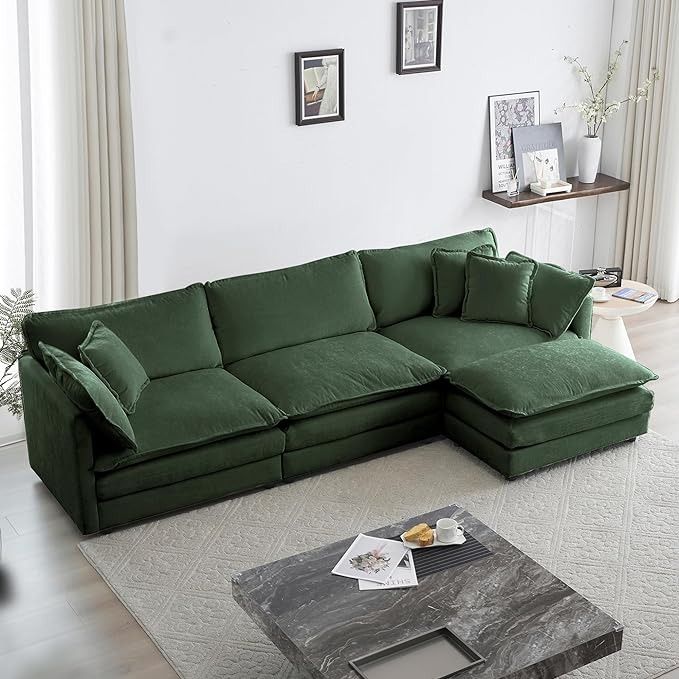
{"x": 521, "y": 618}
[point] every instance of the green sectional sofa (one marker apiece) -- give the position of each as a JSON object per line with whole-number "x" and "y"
{"x": 263, "y": 378}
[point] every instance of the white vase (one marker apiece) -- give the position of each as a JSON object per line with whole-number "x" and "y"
{"x": 589, "y": 155}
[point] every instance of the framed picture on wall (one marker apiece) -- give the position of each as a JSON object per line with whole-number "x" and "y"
{"x": 508, "y": 111}
{"x": 418, "y": 36}
{"x": 319, "y": 86}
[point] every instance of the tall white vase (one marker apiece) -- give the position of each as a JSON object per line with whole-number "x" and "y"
{"x": 589, "y": 155}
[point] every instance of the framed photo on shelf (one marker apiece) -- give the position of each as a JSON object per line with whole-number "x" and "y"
{"x": 319, "y": 86}
{"x": 508, "y": 111}
{"x": 539, "y": 154}
{"x": 418, "y": 36}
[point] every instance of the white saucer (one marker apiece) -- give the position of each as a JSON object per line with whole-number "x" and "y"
{"x": 459, "y": 540}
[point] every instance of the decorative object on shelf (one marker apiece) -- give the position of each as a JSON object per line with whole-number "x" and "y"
{"x": 508, "y": 111}
{"x": 596, "y": 110}
{"x": 559, "y": 186}
{"x": 513, "y": 185}
{"x": 319, "y": 86}
{"x": 604, "y": 277}
{"x": 13, "y": 308}
{"x": 539, "y": 155}
{"x": 418, "y": 36}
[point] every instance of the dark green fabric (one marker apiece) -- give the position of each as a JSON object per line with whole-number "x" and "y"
{"x": 149, "y": 503}
{"x": 60, "y": 444}
{"x": 532, "y": 380}
{"x": 341, "y": 424}
{"x": 453, "y": 343}
{"x": 497, "y": 290}
{"x": 267, "y": 311}
{"x": 581, "y": 325}
{"x": 324, "y": 455}
{"x": 556, "y": 296}
{"x": 108, "y": 357}
{"x": 335, "y": 373}
{"x": 448, "y": 267}
{"x": 169, "y": 333}
{"x": 189, "y": 464}
{"x": 399, "y": 280}
{"x": 90, "y": 394}
{"x": 517, "y": 432}
{"x": 183, "y": 411}
{"x": 512, "y": 463}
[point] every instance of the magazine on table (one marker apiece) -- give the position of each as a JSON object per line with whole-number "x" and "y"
{"x": 403, "y": 576}
{"x": 370, "y": 558}
{"x": 634, "y": 295}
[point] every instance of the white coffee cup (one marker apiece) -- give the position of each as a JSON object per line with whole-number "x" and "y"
{"x": 598, "y": 294}
{"x": 448, "y": 530}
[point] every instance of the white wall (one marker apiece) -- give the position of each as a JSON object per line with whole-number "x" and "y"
{"x": 227, "y": 184}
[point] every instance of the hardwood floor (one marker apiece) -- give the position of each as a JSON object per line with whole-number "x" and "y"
{"x": 59, "y": 620}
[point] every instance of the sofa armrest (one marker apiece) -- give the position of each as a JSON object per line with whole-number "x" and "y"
{"x": 60, "y": 444}
{"x": 581, "y": 324}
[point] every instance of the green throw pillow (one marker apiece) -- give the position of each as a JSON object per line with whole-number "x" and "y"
{"x": 449, "y": 278}
{"x": 497, "y": 291}
{"x": 114, "y": 364}
{"x": 556, "y": 297}
{"x": 90, "y": 394}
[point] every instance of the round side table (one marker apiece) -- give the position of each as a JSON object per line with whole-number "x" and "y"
{"x": 608, "y": 326}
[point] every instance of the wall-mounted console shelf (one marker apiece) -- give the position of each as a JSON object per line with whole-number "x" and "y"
{"x": 603, "y": 184}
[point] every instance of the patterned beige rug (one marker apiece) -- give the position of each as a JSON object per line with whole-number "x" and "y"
{"x": 607, "y": 524}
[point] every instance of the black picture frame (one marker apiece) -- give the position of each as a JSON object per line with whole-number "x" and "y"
{"x": 416, "y": 45}
{"x": 303, "y": 106}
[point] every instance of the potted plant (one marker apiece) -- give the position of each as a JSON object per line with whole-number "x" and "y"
{"x": 596, "y": 109}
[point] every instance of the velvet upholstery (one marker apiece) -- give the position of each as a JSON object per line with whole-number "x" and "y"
{"x": 556, "y": 295}
{"x": 184, "y": 411}
{"x": 169, "y": 333}
{"x": 517, "y": 383}
{"x": 263, "y": 312}
{"x": 335, "y": 373}
{"x": 581, "y": 324}
{"x": 109, "y": 358}
{"x": 399, "y": 280}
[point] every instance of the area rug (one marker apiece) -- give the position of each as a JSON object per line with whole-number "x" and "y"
{"x": 607, "y": 524}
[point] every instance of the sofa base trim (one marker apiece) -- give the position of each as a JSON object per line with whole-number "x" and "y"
{"x": 513, "y": 463}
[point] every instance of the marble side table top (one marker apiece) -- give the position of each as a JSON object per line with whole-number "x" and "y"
{"x": 521, "y": 618}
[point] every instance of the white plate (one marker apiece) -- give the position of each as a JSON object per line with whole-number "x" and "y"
{"x": 459, "y": 540}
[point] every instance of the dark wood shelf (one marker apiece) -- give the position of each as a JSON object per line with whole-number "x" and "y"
{"x": 603, "y": 184}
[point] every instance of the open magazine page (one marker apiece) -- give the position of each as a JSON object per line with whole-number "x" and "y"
{"x": 371, "y": 558}
{"x": 403, "y": 576}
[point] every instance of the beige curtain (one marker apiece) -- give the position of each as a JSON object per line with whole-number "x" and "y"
{"x": 84, "y": 232}
{"x": 650, "y": 49}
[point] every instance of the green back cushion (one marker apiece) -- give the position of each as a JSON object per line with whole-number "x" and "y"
{"x": 497, "y": 290}
{"x": 89, "y": 394}
{"x": 448, "y": 267}
{"x": 556, "y": 297}
{"x": 399, "y": 280}
{"x": 108, "y": 357}
{"x": 170, "y": 333}
{"x": 531, "y": 380}
{"x": 261, "y": 312}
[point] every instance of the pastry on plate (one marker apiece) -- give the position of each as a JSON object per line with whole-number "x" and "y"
{"x": 412, "y": 534}
{"x": 426, "y": 538}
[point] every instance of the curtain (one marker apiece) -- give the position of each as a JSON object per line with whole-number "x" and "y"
{"x": 84, "y": 203}
{"x": 641, "y": 235}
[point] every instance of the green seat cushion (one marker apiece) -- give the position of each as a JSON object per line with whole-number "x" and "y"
{"x": 267, "y": 311}
{"x": 89, "y": 394}
{"x": 192, "y": 463}
{"x": 497, "y": 291}
{"x": 448, "y": 267}
{"x": 453, "y": 343}
{"x": 335, "y": 373}
{"x": 114, "y": 364}
{"x": 531, "y": 380}
{"x": 517, "y": 432}
{"x": 399, "y": 280}
{"x": 169, "y": 333}
{"x": 556, "y": 296}
{"x": 192, "y": 409}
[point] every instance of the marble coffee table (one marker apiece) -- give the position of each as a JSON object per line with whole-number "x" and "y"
{"x": 521, "y": 618}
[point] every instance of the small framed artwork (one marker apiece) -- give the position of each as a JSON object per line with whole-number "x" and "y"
{"x": 319, "y": 86}
{"x": 539, "y": 154}
{"x": 508, "y": 111}
{"x": 418, "y": 42}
